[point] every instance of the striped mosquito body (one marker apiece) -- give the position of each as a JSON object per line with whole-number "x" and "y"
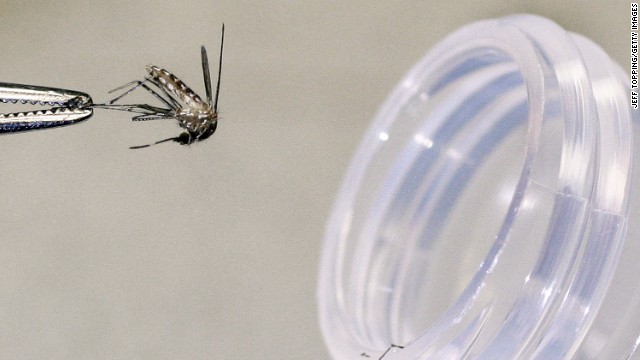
{"x": 198, "y": 117}
{"x": 177, "y": 88}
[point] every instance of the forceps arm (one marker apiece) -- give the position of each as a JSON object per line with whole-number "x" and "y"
{"x": 66, "y": 107}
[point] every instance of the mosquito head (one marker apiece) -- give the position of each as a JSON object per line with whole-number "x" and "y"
{"x": 184, "y": 139}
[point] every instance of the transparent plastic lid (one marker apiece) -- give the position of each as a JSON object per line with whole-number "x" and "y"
{"x": 485, "y": 213}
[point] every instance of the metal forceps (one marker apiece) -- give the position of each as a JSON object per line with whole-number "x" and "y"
{"x": 66, "y": 107}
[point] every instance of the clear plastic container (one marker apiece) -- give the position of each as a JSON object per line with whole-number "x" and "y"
{"x": 485, "y": 213}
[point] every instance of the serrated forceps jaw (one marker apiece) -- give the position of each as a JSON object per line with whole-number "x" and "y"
{"x": 66, "y": 107}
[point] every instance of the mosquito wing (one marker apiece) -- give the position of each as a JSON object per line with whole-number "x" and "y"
{"x": 206, "y": 75}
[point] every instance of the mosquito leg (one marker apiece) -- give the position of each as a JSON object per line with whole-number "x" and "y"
{"x": 138, "y": 84}
{"x": 150, "y": 117}
{"x": 155, "y": 143}
{"x": 175, "y": 103}
{"x": 123, "y": 86}
{"x": 144, "y": 109}
{"x": 364, "y": 354}
{"x": 389, "y": 349}
{"x": 171, "y": 103}
{"x": 184, "y": 139}
{"x": 215, "y": 103}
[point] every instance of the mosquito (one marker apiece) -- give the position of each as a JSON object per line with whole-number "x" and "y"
{"x": 197, "y": 117}
{"x": 385, "y": 353}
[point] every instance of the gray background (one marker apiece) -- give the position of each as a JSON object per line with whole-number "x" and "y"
{"x": 208, "y": 251}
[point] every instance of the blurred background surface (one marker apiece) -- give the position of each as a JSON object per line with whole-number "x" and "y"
{"x": 208, "y": 251}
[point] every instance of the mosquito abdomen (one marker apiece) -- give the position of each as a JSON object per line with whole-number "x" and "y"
{"x": 177, "y": 88}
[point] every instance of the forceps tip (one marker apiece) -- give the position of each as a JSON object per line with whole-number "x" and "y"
{"x": 66, "y": 107}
